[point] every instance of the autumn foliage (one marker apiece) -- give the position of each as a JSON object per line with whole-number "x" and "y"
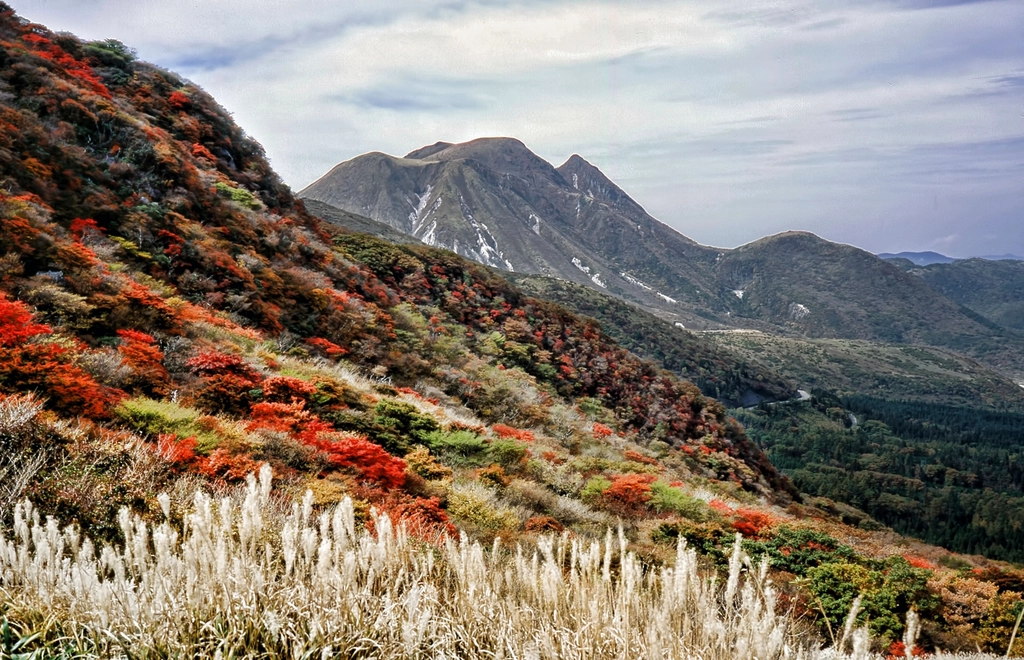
{"x": 31, "y": 359}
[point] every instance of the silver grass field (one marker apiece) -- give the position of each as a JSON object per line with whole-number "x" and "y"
{"x": 248, "y": 577}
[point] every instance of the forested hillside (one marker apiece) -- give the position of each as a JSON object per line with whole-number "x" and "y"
{"x": 948, "y": 475}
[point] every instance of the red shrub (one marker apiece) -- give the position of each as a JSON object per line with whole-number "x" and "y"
{"x": 516, "y": 434}
{"x": 176, "y": 450}
{"x": 637, "y": 457}
{"x": 275, "y": 416}
{"x": 141, "y": 353}
{"x": 328, "y": 348}
{"x": 629, "y": 491}
{"x": 286, "y": 388}
{"x": 199, "y": 151}
{"x": 217, "y": 362}
{"x": 27, "y": 364}
{"x": 752, "y": 522}
{"x": 898, "y": 651}
{"x": 919, "y": 562}
{"x": 221, "y": 464}
{"x": 370, "y": 460}
{"x": 422, "y": 517}
{"x": 552, "y": 457}
{"x": 16, "y": 324}
{"x": 179, "y": 101}
{"x": 720, "y": 507}
{"x": 600, "y": 430}
{"x": 82, "y": 228}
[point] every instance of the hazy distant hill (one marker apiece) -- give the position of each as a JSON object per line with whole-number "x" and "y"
{"x": 919, "y": 258}
{"x": 994, "y": 289}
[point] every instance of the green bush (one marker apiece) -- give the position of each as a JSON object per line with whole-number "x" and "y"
{"x": 507, "y": 453}
{"x": 889, "y": 589}
{"x": 475, "y": 504}
{"x": 155, "y": 417}
{"x": 707, "y": 538}
{"x": 594, "y": 489}
{"x": 458, "y": 448}
{"x": 399, "y": 425}
{"x": 666, "y": 499}
{"x": 797, "y": 550}
{"x": 238, "y": 195}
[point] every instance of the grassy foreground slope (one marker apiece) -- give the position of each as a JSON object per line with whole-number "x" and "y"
{"x": 172, "y": 321}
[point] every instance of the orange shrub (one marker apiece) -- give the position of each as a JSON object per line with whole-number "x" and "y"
{"x": 222, "y": 464}
{"x": 720, "y": 507}
{"x": 600, "y": 430}
{"x": 637, "y": 457}
{"x": 751, "y": 522}
{"x": 629, "y": 492}
{"x": 516, "y": 434}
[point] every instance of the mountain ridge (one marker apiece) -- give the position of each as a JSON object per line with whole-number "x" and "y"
{"x": 495, "y": 201}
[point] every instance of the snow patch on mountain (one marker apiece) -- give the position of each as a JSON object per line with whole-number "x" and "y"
{"x": 665, "y": 298}
{"x": 429, "y": 237}
{"x": 487, "y": 252}
{"x": 536, "y": 224}
{"x": 415, "y": 221}
{"x": 579, "y": 264}
{"x": 635, "y": 282}
{"x": 798, "y": 311}
{"x": 738, "y": 293}
{"x": 594, "y": 277}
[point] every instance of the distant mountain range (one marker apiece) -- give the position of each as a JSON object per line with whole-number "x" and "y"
{"x": 495, "y": 201}
{"x": 929, "y": 258}
{"x": 919, "y": 258}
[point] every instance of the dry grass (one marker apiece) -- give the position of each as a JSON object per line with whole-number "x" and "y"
{"x": 245, "y": 576}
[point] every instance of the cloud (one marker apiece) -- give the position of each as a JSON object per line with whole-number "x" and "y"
{"x": 874, "y": 123}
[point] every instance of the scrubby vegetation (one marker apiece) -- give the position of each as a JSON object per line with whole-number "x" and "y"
{"x": 172, "y": 321}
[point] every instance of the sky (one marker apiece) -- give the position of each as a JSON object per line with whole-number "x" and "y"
{"x": 887, "y": 124}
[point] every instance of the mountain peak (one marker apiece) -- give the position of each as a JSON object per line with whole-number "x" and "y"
{"x": 589, "y": 180}
{"x": 428, "y": 151}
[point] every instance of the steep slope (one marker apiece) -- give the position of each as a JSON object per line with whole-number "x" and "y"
{"x": 156, "y": 276}
{"x": 732, "y": 379}
{"x": 994, "y": 289}
{"x": 496, "y": 202}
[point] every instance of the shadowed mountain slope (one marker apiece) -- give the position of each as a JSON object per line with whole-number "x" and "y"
{"x": 496, "y": 202}
{"x": 994, "y": 289}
